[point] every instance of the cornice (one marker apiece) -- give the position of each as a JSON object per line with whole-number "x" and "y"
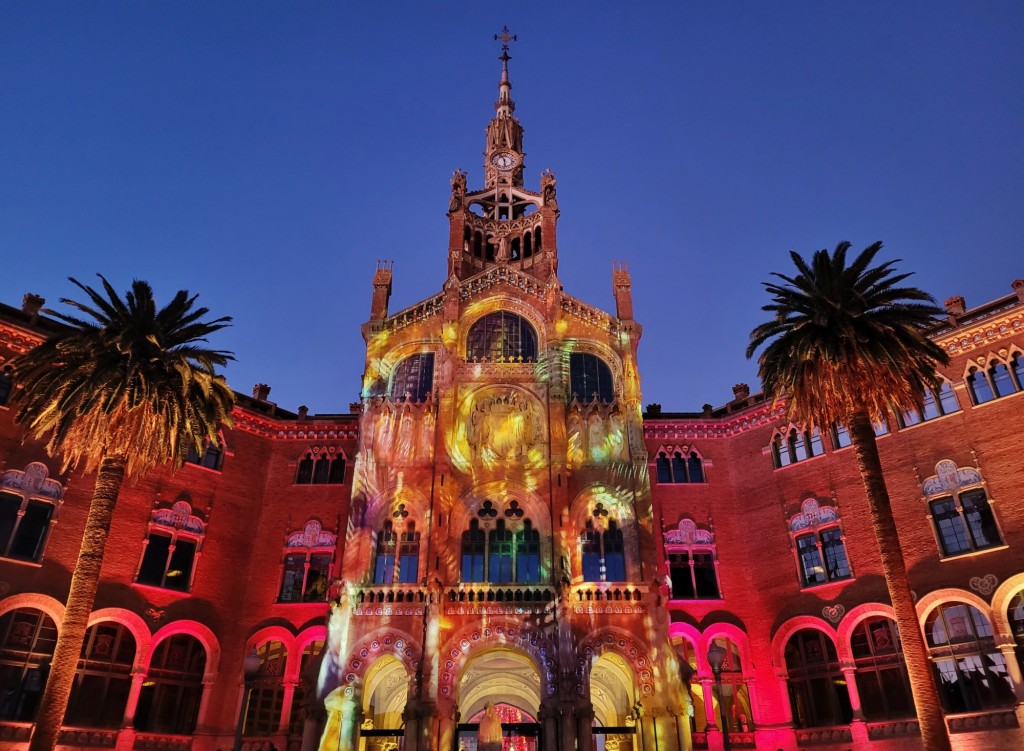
{"x": 724, "y": 427}
{"x": 268, "y": 427}
{"x": 17, "y": 339}
{"x": 1007, "y": 321}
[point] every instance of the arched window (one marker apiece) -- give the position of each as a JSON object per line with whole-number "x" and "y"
{"x": 934, "y": 405}
{"x": 970, "y": 671}
{"x": 27, "y": 639}
{"x": 590, "y": 378}
{"x": 979, "y": 386}
{"x": 266, "y": 697}
{"x": 1015, "y": 615}
{"x": 817, "y": 687}
{"x": 686, "y": 655}
{"x": 173, "y": 687}
{"x": 387, "y": 545}
{"x": 961, "y": 511}
{"x": 603, "y": 553}
{"x": 819, "y": 544}
{"x": 323, "y": 465}
{"x": 296, "y": 718}
{"x": 795, "y": 446}
{"x": 6, "y": 384}
{"x": 679, "y": 465}
{"x": 169, "y": 553}
{"x": 28, "y": 505}
{"x": 691, "y": 556}
{"x": 402, "y": 548}
{"x": 211, "y": 458}
{"x": 508, "y": 553}
{"x": 501, "y": 337}
{"x": 1017, "y": 366}
{"x": 881, "y": 673}
{"x": 1002, "y": 383}
{"x": 413, "y": 379}
{"x": 306, "y": 567}
{"x": 735, "y": 698}
{"x": 104, "y": 678}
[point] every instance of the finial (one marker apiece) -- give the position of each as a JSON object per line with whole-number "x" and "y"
{"x": 505, "y": 38}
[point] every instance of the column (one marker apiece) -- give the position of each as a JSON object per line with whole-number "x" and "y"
{"x": 849, "y": 675}
{"x": 411, "y": 717}
{"x": 707, "y": 684}
{"x": 567, "y": 727}
{"x": 585, "y": 727}
{"x": 549, "y": 728}
{"x": 1009, "y": 652}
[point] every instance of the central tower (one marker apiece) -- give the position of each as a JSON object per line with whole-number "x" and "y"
{"x": 499, "y": 548}
{"x": 503, "y": 223}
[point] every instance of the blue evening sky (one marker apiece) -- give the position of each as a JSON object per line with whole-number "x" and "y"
{"x": 265, "y": 154}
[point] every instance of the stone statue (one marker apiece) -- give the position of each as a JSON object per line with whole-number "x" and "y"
{"x": 458, "y": 190}
{"x": 547, "y": 188}
{"x": 488, "y": 737}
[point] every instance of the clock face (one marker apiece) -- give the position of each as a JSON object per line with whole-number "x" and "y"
{"x": 505, "y": 160}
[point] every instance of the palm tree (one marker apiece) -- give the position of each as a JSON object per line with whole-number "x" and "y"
{"x": 119, "y": 391}
{"x": 846, "y": 345}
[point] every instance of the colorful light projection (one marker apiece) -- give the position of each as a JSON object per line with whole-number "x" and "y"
{"x": 509, "y": 714}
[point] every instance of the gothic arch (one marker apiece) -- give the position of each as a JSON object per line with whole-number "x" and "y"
{"x": 598, "y": 349}
{"x": 617, "y": 502}
{"x": 622, "y": 643}
{"x": 932, "y": 600}
{"x": 508, "y": 303}
{"x": 734, "y": 634}
{"x": 377, "y": 643}
{"x": 498, "y": 491}
{"x": 478, "y": 637}
{"x": 381, "y": 506}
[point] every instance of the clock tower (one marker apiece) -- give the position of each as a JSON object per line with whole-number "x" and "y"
{"x": 503, "y": 223}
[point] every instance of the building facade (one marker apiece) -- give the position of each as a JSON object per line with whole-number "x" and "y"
{"x": 499, "y": 521}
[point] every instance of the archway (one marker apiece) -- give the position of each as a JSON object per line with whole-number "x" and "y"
{"x": 385, "y": 691}
{"x": 509, "y": 680}
{"x": 613, "y": 695}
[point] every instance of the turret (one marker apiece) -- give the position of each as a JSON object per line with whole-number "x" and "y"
{"x": 381, "y": 291}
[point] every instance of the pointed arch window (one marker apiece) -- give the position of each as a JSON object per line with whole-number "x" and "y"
{"x": 27, "y": 640}
{"x": 676, "y": 465}
{"x": 172, "y": 547}
{"x": 795, "y": 445}
{"x": 324, "y": 465}
{"x": 602, "y": 549}
{"x": 306, "y": 566}
{"x": 99, "y": 694}
{"x": 501, "y": 337}
{"x": 413, "y": 379}
{"x": 962, "y": 515}
{"x": 970, "y": 670}
{"x": 934, "y": 404}
{"x": 211, "y": 458}
{"x": 508, "y": 553}
{"x": 394, "y": 548}
{"x": 819, "y": 544}
{"x": 590, "y": 378}
{"x": 999, "y": 379}
{"x": 173, "y": 687}
{"x": 29, "y": 501}
{"x": 817, "y": 686}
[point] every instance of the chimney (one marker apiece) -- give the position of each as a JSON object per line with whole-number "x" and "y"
{"x": 32, "y": 304}
{"x": 956, "y": 306}
{"x": 622, "y": 288}
{"x": 355, "y": 407}
{"x": 708, "y": 410}
{"x": 381, "y": 290}
{"x": 654, "y": 410}
{"x": 740, "y": 392}
{"x": 260, "y": 392}
{"x": 1018, "y": 287}
{"x": 303, "y": 412}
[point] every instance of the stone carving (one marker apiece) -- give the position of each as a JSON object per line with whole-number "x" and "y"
{"x": 458, "y": 190}
{"x": 32, "y": 481}
{"x": 503, "y": 426}
{"x": 833, "y": 613}
{"x": 948, "y": 476}
{"x": 688, "y": 534}
{"x": 400, "y": 432}
{"x": 984, "y": 585}
{"x": 547, "y": 188}
{"x": 811, "y": 515}
{"x": 596, "y": 433}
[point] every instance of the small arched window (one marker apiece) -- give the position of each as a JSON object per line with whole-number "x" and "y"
{"x": 590, "y": 378}
{"x": 413, "y": 378}
{"x": 27, "y": 640}
{"x": 603, "y": 553}
{"x": 817, "y": 686}
{"x": 266, "y": 698}
{"x": 795, "y": 446}
{"x": 501, "y": 337}
{"x": 173, "y": 687}
{"x": 881, "y": 673}
{"x": 321, "y": 466}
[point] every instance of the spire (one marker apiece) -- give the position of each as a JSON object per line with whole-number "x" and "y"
{"x": 504, "y": 107}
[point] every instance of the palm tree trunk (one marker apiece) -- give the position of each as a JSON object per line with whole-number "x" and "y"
{"x": 84, "y": 581}
{"x": 934, "y": 734}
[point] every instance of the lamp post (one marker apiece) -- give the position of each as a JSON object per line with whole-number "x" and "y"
{"x": 716, "y": 656}
{"x": 251, "y": 665}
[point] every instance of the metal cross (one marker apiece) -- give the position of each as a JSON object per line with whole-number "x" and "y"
{"x": 505, "y": 38}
